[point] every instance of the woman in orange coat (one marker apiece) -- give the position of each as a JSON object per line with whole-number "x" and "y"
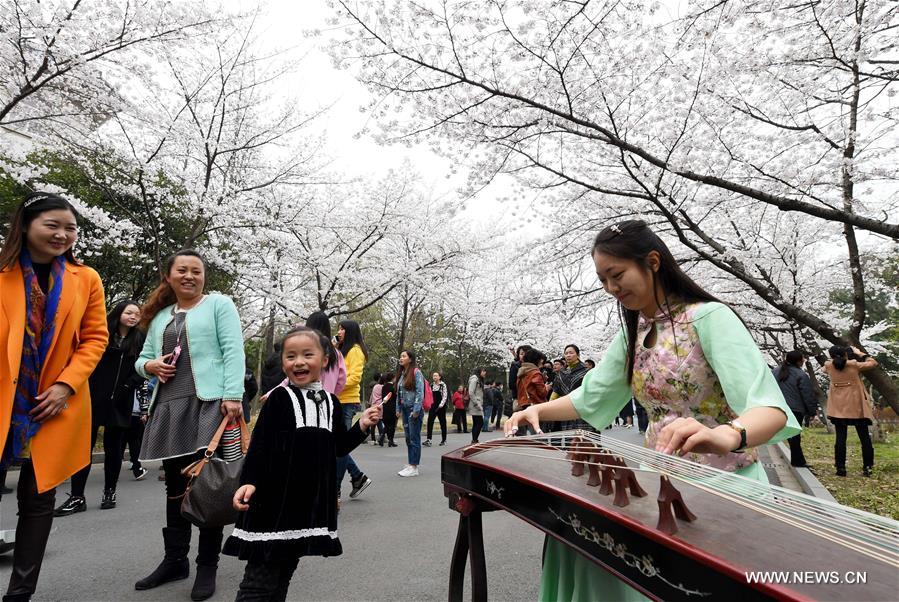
{"x": 53, "y": 323}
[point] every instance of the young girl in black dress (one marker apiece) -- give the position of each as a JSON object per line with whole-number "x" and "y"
{"x": 288, "y": 492}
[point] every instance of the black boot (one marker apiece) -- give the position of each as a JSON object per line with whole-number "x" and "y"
{"x": 207, "y": 563}
{"x": 174, "y": 565}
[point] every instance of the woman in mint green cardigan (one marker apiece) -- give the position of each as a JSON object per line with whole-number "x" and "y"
{"x": 194, "y": 347}
{"x": 690, "y": 361}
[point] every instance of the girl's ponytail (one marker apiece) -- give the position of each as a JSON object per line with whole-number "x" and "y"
{"x": 793, "y": 358}
{"x": 839, "y": 355}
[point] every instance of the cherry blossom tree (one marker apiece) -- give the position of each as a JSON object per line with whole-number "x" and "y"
{"x": 733, "y": 124}
{"x": 58, "y": 57}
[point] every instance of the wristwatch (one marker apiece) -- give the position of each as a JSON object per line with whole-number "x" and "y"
{"x": 735, "y": 424}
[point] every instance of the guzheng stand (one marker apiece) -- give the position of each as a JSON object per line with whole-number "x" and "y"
{"x": 469, "y": 545}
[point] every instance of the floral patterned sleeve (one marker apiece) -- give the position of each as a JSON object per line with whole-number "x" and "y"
{"x": 604, "y": 390}
{"x": 746, "y": 380}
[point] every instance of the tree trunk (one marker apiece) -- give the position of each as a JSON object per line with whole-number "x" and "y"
{"x": 404, "y": 322}
{"x": 720, "y": 259}
{"x": 821, "y": 395}
{"x": 269, "y": 341}
{"x": 461, "y": 364}
{"x": 886, "y": 386}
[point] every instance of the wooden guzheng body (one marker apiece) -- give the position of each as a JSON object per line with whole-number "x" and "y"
{"x": 584, "y": 490}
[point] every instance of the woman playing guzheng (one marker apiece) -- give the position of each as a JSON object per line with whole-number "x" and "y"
{"x": 689, "y": 360}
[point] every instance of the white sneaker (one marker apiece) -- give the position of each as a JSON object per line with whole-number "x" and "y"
{"x": 404, "y": 470}
{"x": 409, "y": 471}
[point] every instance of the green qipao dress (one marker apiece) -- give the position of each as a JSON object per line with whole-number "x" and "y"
{"x": 704, "y": 365}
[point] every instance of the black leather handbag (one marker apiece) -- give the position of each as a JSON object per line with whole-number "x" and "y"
{"x": 207, "y": 500}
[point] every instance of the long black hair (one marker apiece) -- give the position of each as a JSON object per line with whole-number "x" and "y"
{"x": 407, "y": 375}
{"x": 133, "y": 342}
{"x": 31, "y": 207}
{"x": 318, "y": 320}
{"x": 839, "y": 355}
{"x": 477, "y": 372}
{"x": 634, "y": 240}
{"x": 793, "y": 358}
{"x": 352, "y": 336}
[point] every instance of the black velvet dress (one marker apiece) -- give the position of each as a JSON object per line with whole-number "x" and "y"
{"x": 292, "y": 462}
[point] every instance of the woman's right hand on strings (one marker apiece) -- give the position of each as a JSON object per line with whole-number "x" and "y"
{"x": 242, "y": 497}
{"x": 161, "y": 368}
{"x": 528, "y": 416}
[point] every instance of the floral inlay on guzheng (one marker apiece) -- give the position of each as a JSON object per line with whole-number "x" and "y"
{"x": 644, "y": 564}
{"x": 494, "y": 489}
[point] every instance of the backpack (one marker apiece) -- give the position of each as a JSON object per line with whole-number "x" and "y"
{"x": 429, "y": 395}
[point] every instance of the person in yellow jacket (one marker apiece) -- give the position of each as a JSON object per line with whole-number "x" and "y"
{"x": 53, "y": 324}
{"x": 355, "y": 354}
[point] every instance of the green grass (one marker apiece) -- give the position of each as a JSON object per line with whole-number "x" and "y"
{"x": 877, "y": 494}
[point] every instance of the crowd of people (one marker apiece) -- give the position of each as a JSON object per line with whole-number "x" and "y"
{"x": 166, "y": 376}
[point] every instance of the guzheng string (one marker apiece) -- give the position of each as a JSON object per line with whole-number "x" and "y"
{"x": 867, "y": 533}
{"x": 724, "y": 483}
{"x": 881, "y": 548}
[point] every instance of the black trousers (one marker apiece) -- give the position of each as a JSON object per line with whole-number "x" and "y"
{"x": 267, "y": 582}
{"x": 439, "y": 414}
{"x": 460, "y": 420}
{"x": 389, "y": 419}
{"x": 210, "y": 544}
{"x": 380, "y": 430}
{"x": 497, "y": 415}
{"x": 112, "y": 460}
{"x": 32, "y": 533}
{"x": 797, "y": 458}
{"x": 133, "y": 438}
{"x": 839, "y": 449}
{"x": 477, "y": 423}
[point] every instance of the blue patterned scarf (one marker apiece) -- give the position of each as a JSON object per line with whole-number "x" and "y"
{"x": 40, "y": 324}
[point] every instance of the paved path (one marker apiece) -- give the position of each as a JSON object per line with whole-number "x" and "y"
{"x": 399, "y": 534}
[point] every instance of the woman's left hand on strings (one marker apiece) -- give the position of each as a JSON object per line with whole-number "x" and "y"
{"x": 685, "y": 435}
{"x": 232, "y": 409}
{"x": 52, "y": 401}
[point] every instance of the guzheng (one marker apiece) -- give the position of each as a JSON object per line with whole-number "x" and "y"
{"x": 671, "y": 528}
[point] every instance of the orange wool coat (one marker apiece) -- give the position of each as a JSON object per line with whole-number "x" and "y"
{"x": 62, "y": 445}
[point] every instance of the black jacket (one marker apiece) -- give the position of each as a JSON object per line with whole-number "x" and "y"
{"x": 113, "y": 383}
{"x": 292, "y": 461}
{"x": 513, "y": 378}
{"x": 797, "y": 390}
{"x": 272, "y": 374}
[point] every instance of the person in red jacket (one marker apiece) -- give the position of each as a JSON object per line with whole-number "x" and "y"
{"x": 531, "y": 385}
{"x": 459, "y": 418}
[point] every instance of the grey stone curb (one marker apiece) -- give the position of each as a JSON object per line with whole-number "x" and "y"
{"x": 808, "y": 481}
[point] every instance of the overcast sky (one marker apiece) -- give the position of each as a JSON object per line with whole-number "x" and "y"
{"x": 318, "y": 84}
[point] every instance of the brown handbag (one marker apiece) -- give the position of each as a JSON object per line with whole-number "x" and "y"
{"x": 207, "y": 500}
